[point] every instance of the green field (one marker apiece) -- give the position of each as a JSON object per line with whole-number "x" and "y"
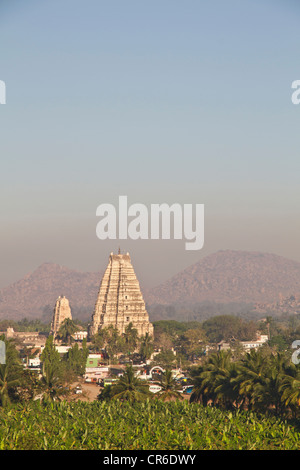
{"x": 149, "y": 425}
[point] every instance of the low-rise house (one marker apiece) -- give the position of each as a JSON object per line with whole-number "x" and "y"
{"x": 94, "y": 360}
{"x": 94, "y": 368}
{"x": 96, "y": 374}
{"x": 25, "y": 338}
{"x": 223, "y": 346}
{"x": 59, "y": 348}
{"x": 80, "y": 335}
{"x": 248, "y": 345}
{"x": 34, "y": 363}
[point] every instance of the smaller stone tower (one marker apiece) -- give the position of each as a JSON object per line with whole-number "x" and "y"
{"x": 62, "y": 310}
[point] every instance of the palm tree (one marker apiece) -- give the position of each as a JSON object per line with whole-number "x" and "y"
{"x": 268, "y": 390}
{"x": 114, "y": 342}
{"x": 214, "y": 381}
{"x": 290, "y": 389}
{"x": 131, "y": 338}
{"x": 51, "y": 383}
{"x": 146, "y": 347}
{"x": 214, "y": 372}
{"x": 226, "y": 389}
{"x": 199, "y": 390}
{"x": 10, "y": 371}
{"x": 128, "y": 388}
{"x": 169, "y": 387}
{"x": 52, "y": 371}
{"x": 250, "y": 378}
{"x": 66, "y": 330}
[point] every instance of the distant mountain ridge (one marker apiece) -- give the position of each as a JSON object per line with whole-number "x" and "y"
{"x": 222, "y": 277}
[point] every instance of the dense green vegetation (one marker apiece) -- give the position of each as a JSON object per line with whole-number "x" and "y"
{"x": 32, "y": 325}
{"x": 128, "y": 388}
{"x": 25, "y": 325}
{"x": 21, "y": 385}
{"x": 131, "y": 388}
{"x": 199, "y": 311}
{"x": 281, "y": 330}
{"x": 148, "y": 425}
{"x": 259, "y": 381}
{"x": 239, "y": 401}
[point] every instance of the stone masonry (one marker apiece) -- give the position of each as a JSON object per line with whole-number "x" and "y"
{"x": 120, "y": 300}
{"x": 62, "y": 311}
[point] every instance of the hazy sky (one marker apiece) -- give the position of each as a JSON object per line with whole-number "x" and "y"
{"x": 184, "y": 101}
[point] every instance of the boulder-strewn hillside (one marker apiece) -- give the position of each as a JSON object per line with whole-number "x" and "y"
{"x": 37, "y": 291}
{"x": 232, "y": 276}
{"x": 225, "y": 277}
{"x": 289, "y": 305}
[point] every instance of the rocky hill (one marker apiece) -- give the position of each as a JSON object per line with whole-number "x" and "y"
{"x": 232, "y": 276}
{"x": 225, "y": 277}
{"x": 285, "y": 305}
{"x": 35, "y": 295}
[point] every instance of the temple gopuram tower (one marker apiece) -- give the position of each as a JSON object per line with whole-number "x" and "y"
{"x": 62, "y": 310}
{"x": 120, "y": 300}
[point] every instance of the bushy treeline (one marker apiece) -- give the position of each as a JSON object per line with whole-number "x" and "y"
{"x": 229, "y": 326}
{"x": 35, "y": 324}
{"x": 25, "y": 325}
{"x": 199, "y": 311}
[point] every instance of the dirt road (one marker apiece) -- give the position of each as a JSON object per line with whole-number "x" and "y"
{"x": 89, "y": 392}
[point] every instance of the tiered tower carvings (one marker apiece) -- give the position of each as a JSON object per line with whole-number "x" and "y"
{"x": 120, "y": 300}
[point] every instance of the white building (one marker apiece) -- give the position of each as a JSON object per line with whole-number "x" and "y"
{"x": 248, "y": 345}
{"x": 80, "y": 335}
{"x": 35, "y": 362}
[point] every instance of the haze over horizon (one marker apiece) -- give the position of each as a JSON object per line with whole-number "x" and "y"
{"x": 140, "y": 271}
{"x": 166, "y": 101}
